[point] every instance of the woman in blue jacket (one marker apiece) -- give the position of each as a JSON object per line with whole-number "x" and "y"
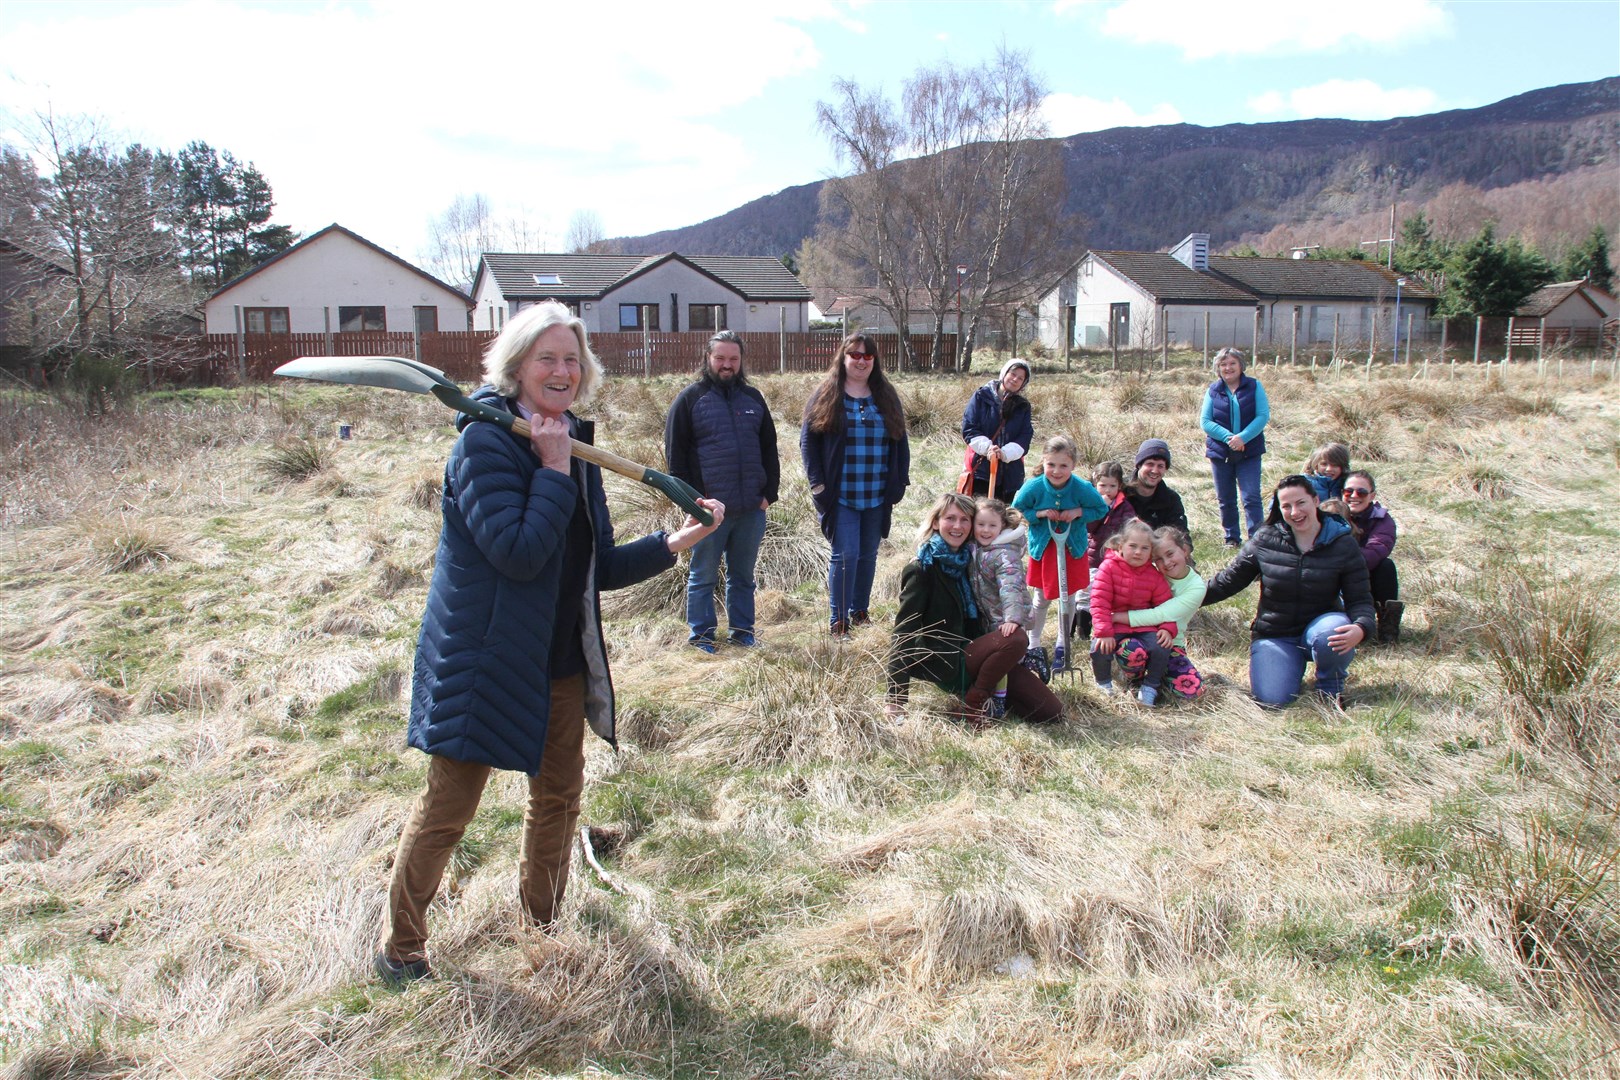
{"x": 1234, "y": 421}
{"x": 997, "y": 425}
{"x": 511, "y": 663}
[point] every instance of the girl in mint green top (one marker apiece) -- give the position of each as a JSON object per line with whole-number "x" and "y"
{"x": 1172, "y": 554}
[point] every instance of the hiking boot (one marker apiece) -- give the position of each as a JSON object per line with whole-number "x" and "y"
{"x": 858, "y": 619}
{"x": 398, "y": 973}
{"x": 1389, "y": 621}
{"x": 973, "y": 711}
{"x": 839, "y": 629}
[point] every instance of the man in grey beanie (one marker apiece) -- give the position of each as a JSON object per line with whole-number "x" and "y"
{"x": 1153, "y": 500}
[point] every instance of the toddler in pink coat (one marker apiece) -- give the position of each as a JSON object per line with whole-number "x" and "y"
{"x": 1128, "y": 581}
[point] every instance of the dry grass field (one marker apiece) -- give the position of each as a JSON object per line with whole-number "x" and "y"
{"x": 210, "y": 608}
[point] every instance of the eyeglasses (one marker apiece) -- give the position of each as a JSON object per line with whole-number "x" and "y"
{"x": 1358, "y": 491}
{"x": 856, "y": 354}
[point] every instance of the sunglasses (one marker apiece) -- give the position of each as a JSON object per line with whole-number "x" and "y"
{"x": 1358, "y": 491}
{"x": 856, "y": 354}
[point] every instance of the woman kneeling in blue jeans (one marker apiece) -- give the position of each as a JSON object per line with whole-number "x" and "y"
{"x": 1306, "y": 561}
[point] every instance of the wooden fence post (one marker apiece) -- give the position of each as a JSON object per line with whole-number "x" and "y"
{"x": 1408, "y": 337}
{"x": 241, "y": 347}
{"x": 1206, "y": 337}
{"x": 1479, "y": 334}
{"x": 1164, "y": 339}
{"x": 327, "y": 314}
{"x": 782, "y": 337}
{"x": 1335, "y": 359}
{"x": 1293, "y": 340}
{"x": 1508, "y": 358}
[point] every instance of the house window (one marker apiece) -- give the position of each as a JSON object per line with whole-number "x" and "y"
{"x": 427, "y": 319}
{"x": 351, "y": 319}
{"x": 548, "y": 279}
{"x": 630, "y": 316}
{"x": 266, "y": 320}
{"x": 710, "y": 317}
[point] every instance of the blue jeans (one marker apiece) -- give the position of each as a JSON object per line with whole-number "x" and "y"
{"x": 737, "y": 539}
{"x": 856, "y": 534}
{"x": 1230, "y": 478}
{"x": 1277, "y": 665}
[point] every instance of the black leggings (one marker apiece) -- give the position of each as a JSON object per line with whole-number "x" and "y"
{"x": 1102, "y": 664}
{"x": 1386, "y": 583}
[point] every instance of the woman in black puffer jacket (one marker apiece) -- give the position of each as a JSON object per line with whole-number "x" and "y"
{"x": 1306, "y": 561}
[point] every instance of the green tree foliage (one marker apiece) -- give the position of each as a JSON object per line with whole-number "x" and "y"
{"x": 1418, "y": 251}
{"x": 224, "y": 208}
{"x": 1590, "y": 260}
{"x": 1487, "y": 276}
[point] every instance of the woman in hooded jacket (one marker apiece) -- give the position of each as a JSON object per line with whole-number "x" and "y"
{"x": 997, "y": 426}
{"x": 511, "y": 664}
{"x": 1306, "y": 562}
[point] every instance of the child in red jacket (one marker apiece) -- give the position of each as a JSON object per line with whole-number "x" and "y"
{"x": 1128, "y": 581}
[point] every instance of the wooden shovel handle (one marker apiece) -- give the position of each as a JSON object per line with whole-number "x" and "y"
{"x": 593, "y": 454}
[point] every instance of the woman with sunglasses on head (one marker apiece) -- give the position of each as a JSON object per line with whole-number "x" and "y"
{"x": 1234, "y": 420}
{"x": 1306, "y": 562}
{"x": 1376, "y": 529}
{"x": 858, "y": 461}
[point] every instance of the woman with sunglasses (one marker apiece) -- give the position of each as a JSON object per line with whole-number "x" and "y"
{"x": 858, "y": 461}
{"x": 1306, "y": 562}
{"x": 1376, "y": 530}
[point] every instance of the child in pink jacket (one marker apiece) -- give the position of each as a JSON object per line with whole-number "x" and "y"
{"x": 1128, "y": 581}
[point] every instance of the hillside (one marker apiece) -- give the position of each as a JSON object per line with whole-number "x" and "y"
{"x": 211, "y": 606}
{"x": 1145, "y": 188}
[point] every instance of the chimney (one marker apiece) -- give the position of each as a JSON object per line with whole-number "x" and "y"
{"x": 1193, "y": 251}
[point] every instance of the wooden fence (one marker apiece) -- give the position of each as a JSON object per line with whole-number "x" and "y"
{"x": 220, "y": 359}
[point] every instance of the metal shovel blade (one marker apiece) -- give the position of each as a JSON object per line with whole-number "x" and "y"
{"x": 388, "y": 372}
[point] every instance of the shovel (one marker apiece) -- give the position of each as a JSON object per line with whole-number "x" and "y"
{"x": 1065, "y": 609}
{"x": 398, "y": 373}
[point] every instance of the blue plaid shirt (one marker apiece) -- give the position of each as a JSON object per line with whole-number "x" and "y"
{"x": 866, "y": 454}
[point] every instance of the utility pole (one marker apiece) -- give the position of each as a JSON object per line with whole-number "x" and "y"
{"x": 1390, "y": 239}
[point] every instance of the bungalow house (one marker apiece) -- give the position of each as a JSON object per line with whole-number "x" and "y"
{"x": 858, "y": 312}
{"x": 1134, "y": 298}
{"x": 24, "y": 276}
{"x": 627, "y": 293}
{"x": 1572, "y": 311}
{"x": 335, "y": 281}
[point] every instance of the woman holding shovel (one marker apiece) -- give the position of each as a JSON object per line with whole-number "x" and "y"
{"x": 511, "y": 663}
{"x": 997, "y": 427}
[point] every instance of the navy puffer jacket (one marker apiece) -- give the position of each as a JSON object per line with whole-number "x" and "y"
{"x": 722, "y": 441}
{"x": 481, "y": 691}
{"x": 1002, "y": 423}
{"x": 1295, "y": 587}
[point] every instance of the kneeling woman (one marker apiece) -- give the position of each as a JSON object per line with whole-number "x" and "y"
{"x": 939, "y": 635}
{"x": 1305, "y": 561}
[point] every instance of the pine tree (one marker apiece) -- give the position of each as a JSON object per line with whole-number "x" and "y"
{"x": 1590, "y": 260}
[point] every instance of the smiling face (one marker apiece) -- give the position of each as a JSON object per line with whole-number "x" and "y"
{"x": 1108, "y": 488}
{"x": 1014, "y": 380}
{"x": 1329, "y": 470}
{"x": 1170, "y": 559}
{"x": 987, "y": 526}
{"x": 1358, "y": 494}
{"x": 548, "y": 378}
{"x": 725, "y": 361}
{"x": 1150, "y": 472}
{"x": 1298, "y": 506}
{"x": 1059, "y": 467}
{"x": 1230, "y": 368}
{"x": 858, "y": 362}
{"x": 954, "y": 526}
{"x": 1137, "y": 548}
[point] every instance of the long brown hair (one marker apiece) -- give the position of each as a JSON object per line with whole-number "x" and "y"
{"x": 824, "y": 412}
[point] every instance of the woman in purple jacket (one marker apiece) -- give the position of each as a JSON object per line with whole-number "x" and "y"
{"x": 1376, "y": 531}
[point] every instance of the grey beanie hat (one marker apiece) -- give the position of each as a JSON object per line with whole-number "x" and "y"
{"x": 1153, "y": 448}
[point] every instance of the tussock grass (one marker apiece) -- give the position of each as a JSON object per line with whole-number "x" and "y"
{"x": 298, "y": 459}
{"x": 203, "y": 778}
{"x": 123, "y": 547}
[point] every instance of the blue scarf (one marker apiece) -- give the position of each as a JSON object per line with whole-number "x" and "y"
{"x": 955, "y": 565}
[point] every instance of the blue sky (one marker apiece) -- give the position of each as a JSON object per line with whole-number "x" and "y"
{"x": 657, "y": 115}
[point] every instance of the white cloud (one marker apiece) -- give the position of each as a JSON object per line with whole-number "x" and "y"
{"x": 378, "y": 115}
{"x": 1069, "y": 114}
{"x": 1275, "y": 28}
{"x": 1349, "y": 99}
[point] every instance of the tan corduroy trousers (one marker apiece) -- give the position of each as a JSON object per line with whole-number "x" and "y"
{"x": 444, "y": 809}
